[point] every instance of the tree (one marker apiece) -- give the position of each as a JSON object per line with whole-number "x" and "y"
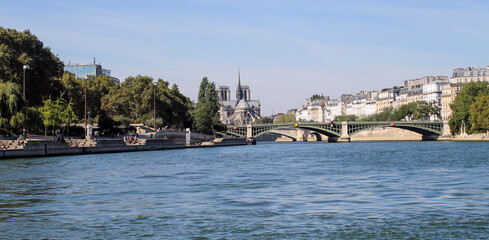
{"x": 23, "y": 48}
{"x": 479, "y": 114}
{"x": 348, "y": 118}
{"x": 286, "y": 118}
{"x": 263, "y": 120}
{"x": 55, "y": 113}
{"x": 385, "y": 115}
{"x": 316, "y": 96}
{"x": 134, "y": 98}
{"x": 11, "y": 106}
{"x": 105, "y": 123}
{"x": 461, "y": 105}
{"x": 206, "y": 112}
{"x": 419, "y": 110}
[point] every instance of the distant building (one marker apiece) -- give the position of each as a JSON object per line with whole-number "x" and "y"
{"x": 460, "y": 77}
{"x": 241, "y": 111}
{"x": 83, "y": 70}
{"x": 386, "y": 99}
{"x": 432, "y": 92}
{"x": 428, "y": 89}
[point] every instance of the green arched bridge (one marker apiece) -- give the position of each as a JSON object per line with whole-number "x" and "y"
{"x": 341, "y": 131}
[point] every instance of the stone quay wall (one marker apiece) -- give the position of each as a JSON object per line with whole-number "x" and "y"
{"x": 79, "y": 147}
{"x": 59, "y": 148}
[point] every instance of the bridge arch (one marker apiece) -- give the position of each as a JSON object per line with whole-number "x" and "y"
{"x": 423, "y": 128}
{"x": 336, "y": 131}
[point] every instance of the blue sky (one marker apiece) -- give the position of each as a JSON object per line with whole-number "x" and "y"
{"x": 286, "y": 50}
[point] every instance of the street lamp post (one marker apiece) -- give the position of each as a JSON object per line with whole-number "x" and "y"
{"x": 86, "y": 77}
{"x": 25, "y": 67}
{"x": 154, "y": 106}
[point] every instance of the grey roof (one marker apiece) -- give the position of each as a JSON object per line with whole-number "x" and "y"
{"x": 243, "y": 105}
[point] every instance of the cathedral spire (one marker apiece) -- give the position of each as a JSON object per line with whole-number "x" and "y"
{"x": 239, "y": 92}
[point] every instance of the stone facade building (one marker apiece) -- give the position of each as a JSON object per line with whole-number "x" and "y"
{"x": 460, "y": 77}
{"x": 241, "y": 111}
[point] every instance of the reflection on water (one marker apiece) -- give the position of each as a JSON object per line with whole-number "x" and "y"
{"x": 269, "y": 191}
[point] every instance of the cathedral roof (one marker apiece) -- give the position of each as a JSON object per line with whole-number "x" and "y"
{"x": 242, "y": 104}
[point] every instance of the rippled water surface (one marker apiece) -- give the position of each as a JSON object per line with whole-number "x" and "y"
{"x": 376, "y": 190}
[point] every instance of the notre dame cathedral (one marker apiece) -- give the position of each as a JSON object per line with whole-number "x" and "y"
{"x": 241, "y": 111}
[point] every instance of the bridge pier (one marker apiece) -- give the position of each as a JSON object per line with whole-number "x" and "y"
{"x": 446, "y": 136}
{"x": 345, "y": 137}
{"x": 249, "y": 131}
{"x": 301, "y": 135}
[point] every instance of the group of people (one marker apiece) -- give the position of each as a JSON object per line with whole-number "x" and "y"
{"x": 20, "y": 142}
{"x": 131, "y": 139}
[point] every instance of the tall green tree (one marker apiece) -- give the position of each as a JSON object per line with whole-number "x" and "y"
{"x": 461, "y": 105}
{"x": 23, "y": 48}
{"x": 134, "y": 98}
{"x": 479, "y": 114}
{"x": 206, "y": 113}
{"x": 14, "y": 113}
{"x": 97, "y": 88}
{"x": 263, "y": 120}
{"x": 57, "y": 112}
{"x": 11, "y": 106}
{"x": 348, "y": 118}
{"x": 285, "y": 118}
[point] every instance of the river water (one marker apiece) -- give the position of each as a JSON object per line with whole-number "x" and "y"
{"x": 372, "y": 190}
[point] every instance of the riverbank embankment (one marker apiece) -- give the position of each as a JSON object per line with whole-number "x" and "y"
{"x": 48, "y": 148}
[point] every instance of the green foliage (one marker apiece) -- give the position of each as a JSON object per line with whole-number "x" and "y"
{"x": 55, "y": 113}
{"x": 96, "y": 88}
{"x": 263, "y": 120}
{"x": 11, "y": 105}
{"x": 286, "y": 118}
{"x": 105, "y": 123}
{"x": 206, "y": 112}
{"x": 316, "y": 97}
{"x": 122, "y": 121}
{"x": 150, "y": 122}
{"x": 479, "y": 114}
{"x": 419, "y": 110}
{"x": 386, "y": 115}
{"x": 461, "y": 105}
{"x": 135, "y": 97}
{"x": 348, "y": 118}
{"x": 23, "y": 48}
{"x": 14, "y": 114}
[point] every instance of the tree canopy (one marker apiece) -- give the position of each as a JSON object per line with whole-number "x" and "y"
{"x": 263, "y": 120}
{"x": 57, "y": 112}
{"x": 285, "y": 118}
{"x": 461, "y": 105}
{"x": 479, "y": 114}
{"x": 316, "y": 96}
{"x": 135, "y": 97}
{"x": 419, "y": 110}
{"x": 348, "y": 118}
{"x": 206, "y": 112}
{"x": 23, "y": 48}
{"x": 11, "y": 106}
